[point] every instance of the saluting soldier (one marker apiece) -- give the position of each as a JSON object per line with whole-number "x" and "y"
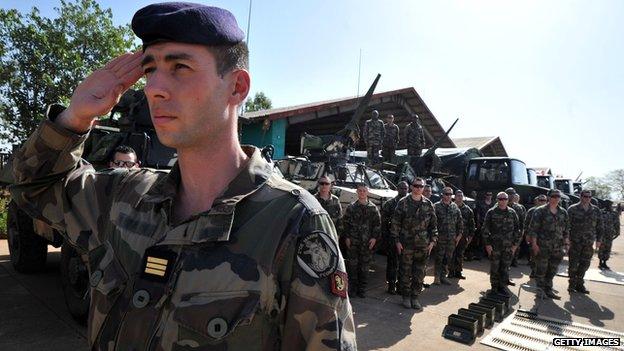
{"x": 468, "y": 234}
{"x": 217, "y": 254}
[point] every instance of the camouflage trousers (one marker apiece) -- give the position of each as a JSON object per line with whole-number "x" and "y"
{"x": 392, "y": 262}
{"x": 579, "y": 257}
{"x": 412, "y": 270}
{"x": 475, "y": 248}
{"x": 388, "y": 154}
{"x": 372, "y": 152}
{"x": 443, "y": 256}
{"x": 605, "y": 249}
{"x": 500, "y": 260}
{"x": 358, "y": 264}
{"x": 457, "y": 265}
{"x": 546, "y": 265}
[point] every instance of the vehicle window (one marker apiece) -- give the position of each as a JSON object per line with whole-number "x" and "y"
{"x": 472, "y": 171}
{"x": 494, "y": 172}
{"x": 532, "y": 176}
{"x": 543, "y": 182}
{"x": 376, "y": 181}
{"x": 519, "y": 172}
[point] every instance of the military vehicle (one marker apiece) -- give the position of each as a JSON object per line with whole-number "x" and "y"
{"x": 532, "y": 176}
{"x": 129, "y": 123}
{"x": 546, "y": 181}
{"x": 566, "y": 185}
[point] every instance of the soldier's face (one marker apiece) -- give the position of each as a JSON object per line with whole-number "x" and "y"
{"x": 418, "y": 188}
{"x": 402, "y": 190}
{"x": 362, "y": 193}
{"x": 190, "y": 103}
{"x": 124, "y": 160}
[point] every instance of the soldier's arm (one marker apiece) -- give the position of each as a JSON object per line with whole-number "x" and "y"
{"x": 398, "y": 136}
{"x": 535, "y": 226}
{"x": 566, "y": 230}
{"x": 432, "y": 228}
{"x": 471, "y": 225}
{"x": 376, "y": 223}
{"x": 317, "y": 313}
{"x": 386, "y": 219}
{"x": 517, "y": 229}
{"x": 460, "y": 224}
{"x": 365, "y": 132}
{"x": 397, "y": 222}
{"x": 487, "y": 222}
{"x": 616, "y": 224}
{"x": 599, "y": 227}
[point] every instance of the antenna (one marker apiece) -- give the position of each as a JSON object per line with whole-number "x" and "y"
{"x": 248, "y": 23}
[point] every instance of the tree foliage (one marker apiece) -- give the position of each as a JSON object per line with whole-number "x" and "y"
{"x": 259, "y": 102}
{"x": 42, "y": 59}
{"x": 610, "y": 186}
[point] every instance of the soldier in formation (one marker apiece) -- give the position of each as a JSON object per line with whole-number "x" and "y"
{"x": 414, "y": 139}
{"x": 521, "y": 212}
{"x": 361, "y": 229}
{"x": 392, "y": 257}
{"x": 329, "y": 201}
{"x": 475, "y": 249}
{"x": 450, "y": 228}
{"x": 585, "y": 229}
{"x": 428, "y": 193}
{"x": 414, "y": 233}
{"x": 391, "y": 139}
{"x": 537, "y": 201}
{"x": 468, "y": 234}
{"x": 183, "y": 258}
{"x": 611, "y": 224}
{"x": 124, "y": 156}
{"x": 549, "y": 234}
{"x": 374, "y": 133}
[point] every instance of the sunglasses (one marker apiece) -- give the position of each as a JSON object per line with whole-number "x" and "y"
{"x": 502, "y": 198}
{"x": 324, "y": 183}
{"x": 418, "y": 186}
{"x": 447, "y": 194}
{"x": 587, "y": 196}
{"x": 555, "y": 196}
{"x": 128, "y": 164}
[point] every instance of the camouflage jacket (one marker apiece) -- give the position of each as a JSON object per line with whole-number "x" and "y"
{"x": 414, "y": 223}
{"x": 501, "y": 227}
{"x": 391, "y": 138}
{"x": 414, "y": 136}
{"x": 332, "y": 206}
{"x": 449, "y": 221}
{"x": 549, "y": 229}
{"x": 469, "y": 222}
{"x": 361, "y": 222}
{"x": 260, "y": 270}
{"x": 387, "y": 210}
{"x": 527, "y": 220}
{"x": 521, "y": 212}
{"x": 611, "y": 225}
{"x": 585, "y": 225}
{"x": 374, "y": 132}
{"x": 480, "y": 211}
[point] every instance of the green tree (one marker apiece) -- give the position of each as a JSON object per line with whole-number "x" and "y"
{"x": 259, "y": 102}
{"x": 600, "y": 188}
{"x": 42, "y": 59}
{"x": 615, "y": 179}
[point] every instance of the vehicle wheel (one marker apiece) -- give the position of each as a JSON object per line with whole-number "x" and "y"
{"x": 75, "y": 282}
{"x": 28, "y": 250}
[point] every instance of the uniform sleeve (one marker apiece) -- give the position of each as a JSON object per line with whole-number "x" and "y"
{"x": 397, "y": 223}
{"x": 421, "y": 137}
{"x": 517, "y": 229}
{"x": 383, "y": 131}
{"x": 599, "y": 228}
{"x": 398, "y": 136}
{"x": 487, "y": 222}
{"x": 53, "y": 184}
{"x": 566, "y": 228}
{"x": 386, "y": 218}
{"x": 470, "y": 225}
{"x": 432, "y": 227}
{"x": 535, "y": 225}
{"x": 527, "y": 222}
{"x": 317, "y": 313}
{"x": 616, "y": 223}
{"x": 375, "y": 223}
{"x": 365, "y": 132}
{"x": 460, "y": 224}
{"x": 407, "y": 134}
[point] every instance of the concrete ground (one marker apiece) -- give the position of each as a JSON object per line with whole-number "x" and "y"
{"x": 33, "y": 315}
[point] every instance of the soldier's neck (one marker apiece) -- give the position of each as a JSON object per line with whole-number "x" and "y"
{"x": 417, "y": 197}
{"x": 325, "y": 195}
{"x": 205, "y": 175}
{"x": 362, "y": 202}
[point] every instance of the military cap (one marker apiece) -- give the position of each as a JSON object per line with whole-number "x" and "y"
{"x": 186, "y": 22}
{"x": 510, "y": 191}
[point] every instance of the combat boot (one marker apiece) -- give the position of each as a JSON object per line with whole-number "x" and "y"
{"x": 392, "y": 289}
{"x": 445, "y": 281}
{"x": 551, "y": 294}
{"x": 604, "y": 265}
{"x": 436, "y": 281}
{"x": 581, "y": 288}
{"x": 572, "y": 288}
{"x": 406, "y": 302}
{"x": 416, "y": 304}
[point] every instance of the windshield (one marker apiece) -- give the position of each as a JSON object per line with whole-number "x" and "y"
{"x": 357, "y": 174}
{"x": 519, "y": 172}
{"x": 491, "y": 171}
{"x": 545, "y": 181}
{"x": 532, "y": 176}
{"x": 564, "y": 185}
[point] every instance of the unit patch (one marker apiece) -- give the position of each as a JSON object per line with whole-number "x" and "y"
{"x": 317, "y": 254}
{"x": 339, "y": 284}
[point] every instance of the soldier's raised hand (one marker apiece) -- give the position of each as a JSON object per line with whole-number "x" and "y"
{"x": 100, "y": 91}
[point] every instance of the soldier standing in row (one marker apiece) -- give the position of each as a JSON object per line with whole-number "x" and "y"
{"x": 537, "y": 201}
{"x": 611, "y": 225}
{"x": 374, "y": 132}
{"x": 549, "y": 233}
{"x": 585, "y": 229}
{"x": 329, "y": 201}
{"x": 521, "y": 212}
{"x": 501, "y": 234}
{"x": 387, "y": 211}
{"x": 414, "y": 233}
{"x": 361, "y": 227}
{"x": 450, "y": 228}
{"x": 414, "y": 139}
{"x": 469, "y": 230}
{"x": 475, "y": 249}
{"x": 428, "y": 193}
{"x": 391, "y": 139}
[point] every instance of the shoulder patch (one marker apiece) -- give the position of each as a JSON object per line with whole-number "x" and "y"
{"x": 303, "y": 196}
{"x": 317, "y": 254}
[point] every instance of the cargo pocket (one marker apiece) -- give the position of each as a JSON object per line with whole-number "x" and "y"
{"x": 209, "y": 318}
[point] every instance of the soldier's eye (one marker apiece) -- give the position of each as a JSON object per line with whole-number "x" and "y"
{"x": 148, "y": 70}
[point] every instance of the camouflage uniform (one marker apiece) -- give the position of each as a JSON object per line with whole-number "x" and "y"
{"x": 521, "y": 212}
{"x": 585, "y": 229}
{"x": 259, "y": 270}
{"x": 414, "y": 226}
{"x": 469, "y": 230}
{"x": 374, "y": 132}
{"x": 475, "y": 249}
{"x": 611, "y": 225}
{"x": 527, "y": 225}
{"x": 550, "y": 231}
{"x": 501, "y": 230}
{"x": 450, "y": 225}
{"x": 333, "y": 208}
{"x": 414, "y": 139}
{"x": 390, "y": 142}
{"x": 360, "y": 224}
{"x": 392, "y": 266}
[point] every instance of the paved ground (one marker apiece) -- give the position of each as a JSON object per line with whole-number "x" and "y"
{"x": 33, "y": 315}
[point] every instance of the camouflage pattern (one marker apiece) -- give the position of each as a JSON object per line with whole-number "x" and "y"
{"x": 521, "y": 212}
{"x": 414, "y": 226}
{"x": 450, "y": 225}
{"x": 501, "y": 230}
{"x": 390, "y": 142}
{"x": 392, "y": 264}
{"x": 527, "y": 225}
{"x": 611, "y": 230}
{"x": 469, "y": 230}
{"x": 253, "y": 272}
{"x": 333, "y": 208}
{"x": 550, "y": 230}
{"x": 585, "y": 229}
{"x": 360, "y": 224}
{"x": 374, "y": 132}
{"x": 414, "y": 138}
{"x": 475, "y": 248}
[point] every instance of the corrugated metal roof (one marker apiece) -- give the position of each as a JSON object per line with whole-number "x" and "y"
{"x": 489, "y": 145}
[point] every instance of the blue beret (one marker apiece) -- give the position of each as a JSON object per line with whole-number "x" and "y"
{"x": 186, "y": 22}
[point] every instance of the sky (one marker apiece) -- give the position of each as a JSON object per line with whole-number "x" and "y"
{"x": 545, "y": 76}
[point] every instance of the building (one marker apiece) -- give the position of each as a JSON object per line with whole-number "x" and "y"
{"x": 490, "y": 146}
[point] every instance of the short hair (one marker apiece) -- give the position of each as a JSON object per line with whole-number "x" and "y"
{"x": 402, "y": 183}
{"x": 419, "y": 179}
{"x": 361, "y": 185}
{"x": 123, "y": 149}
{"x": 586, "y": 192}
{"x": 230, "y": 57}
{"x": 459, "y": 192}
{"x": 390, "y": 115}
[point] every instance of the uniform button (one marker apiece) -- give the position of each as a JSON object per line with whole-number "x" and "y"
{"x": 95, "y": 278}
{"x": 217, "y": 327}
{"x": 141, "y": 298}
{"x": 295, "y": 192}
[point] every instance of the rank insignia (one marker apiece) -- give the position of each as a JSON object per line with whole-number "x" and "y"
{"x": 317, "y": 254}
{"x": 157, "y": 264}
{"x": 339, "y": 284}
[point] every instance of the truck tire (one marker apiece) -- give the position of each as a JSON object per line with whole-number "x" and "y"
{"x": 28, "y": 250}
{"x": 75, "y": 282}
